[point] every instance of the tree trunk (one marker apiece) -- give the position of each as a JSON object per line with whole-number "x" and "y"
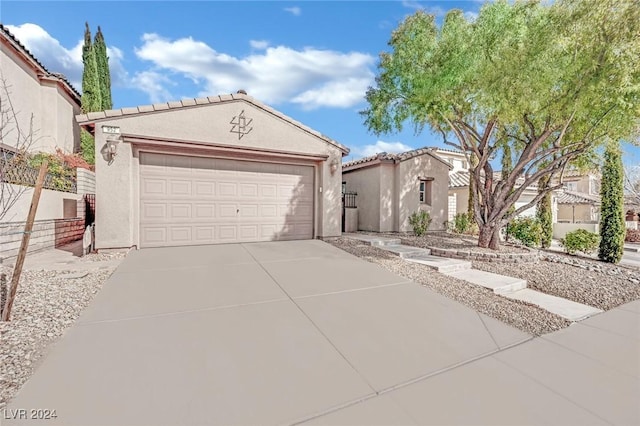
{"x": 489, "y": 236}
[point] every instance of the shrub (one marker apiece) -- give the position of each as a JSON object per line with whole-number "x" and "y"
{"x": 580, "y": 240}
{"x": 632, "y": 236}
{"x": 461, "y": 223}
{"x": 527, "y": 230}
{"x": 420, "y": 222}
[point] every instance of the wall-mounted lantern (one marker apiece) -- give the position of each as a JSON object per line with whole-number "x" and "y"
{"x": 333, "y": 166}
{"x": 110, "y": 148}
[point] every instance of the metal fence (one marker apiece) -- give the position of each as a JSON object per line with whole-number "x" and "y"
{"x": 349, "y": 200}
{"x": 21, "y": 174}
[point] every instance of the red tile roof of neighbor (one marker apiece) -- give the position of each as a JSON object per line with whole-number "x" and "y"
{"x": 36, "y": 64}
{"x": 396, "y": 158}
{"x": 93, "y": 117}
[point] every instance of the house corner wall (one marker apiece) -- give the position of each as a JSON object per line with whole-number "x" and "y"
{"x": 115, "y": 184}
{"x": 410, "y": 173}
{"x": 366, "y": 182}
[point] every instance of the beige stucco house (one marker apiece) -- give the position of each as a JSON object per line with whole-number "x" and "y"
{"x": 36, "y": 93}
{"x": 579, "y": 200}
{"x": 391, "y": 187}
{"x": 221, "y": 169}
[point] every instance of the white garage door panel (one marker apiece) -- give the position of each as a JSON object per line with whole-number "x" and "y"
{"x": 195, "y": 200}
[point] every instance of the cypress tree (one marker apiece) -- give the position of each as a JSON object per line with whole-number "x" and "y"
{"x": 544, "y": 214}
{"x": 612, "y": 226}
{"x": 102, "y": 65}
{"x": 91, "y": 101}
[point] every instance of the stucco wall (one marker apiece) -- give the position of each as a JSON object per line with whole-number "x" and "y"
{"x": 366, "y": 182}
{"x": 582, "y": 213}
{"x": 117, "y": 185}
{"x": 52, "y": 109}
{"x": 462, "y": 199}
{"x": 408, "y": 186}
{"x": 50, "y": 205}
{"x": 560, "y": 230}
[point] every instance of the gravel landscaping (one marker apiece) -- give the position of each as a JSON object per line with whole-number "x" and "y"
{"x": 46, "y": 304}
{"x": 526, "y": 317}
{"x": 590, "y": 282}
{"x": 445, "y": 240}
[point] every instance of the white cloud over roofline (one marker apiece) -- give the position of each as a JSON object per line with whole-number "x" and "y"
{"x": 310, "y": 77}
{"x": 60, "y": 59}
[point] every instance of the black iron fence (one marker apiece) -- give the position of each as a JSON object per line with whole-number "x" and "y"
{"x": 17, "y": 173}
{"x": 89, "y": 209}
{"x": 349, "y": 199}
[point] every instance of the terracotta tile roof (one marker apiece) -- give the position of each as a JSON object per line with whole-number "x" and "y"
{"x": 396, "y": 158}
{"x": 460, "y": 179}
{"x": 570, "y": 197}
{"x": 27, "y": 55}
{"x": 93, "y": 117}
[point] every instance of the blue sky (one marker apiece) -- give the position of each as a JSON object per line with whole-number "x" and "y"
{"x": 312, "y": 60}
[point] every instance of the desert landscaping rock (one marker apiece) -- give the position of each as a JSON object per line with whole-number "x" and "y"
{"x": 526, "y": 317}
{"x": 46, "y": 304}
{"x": 590, "y": 282}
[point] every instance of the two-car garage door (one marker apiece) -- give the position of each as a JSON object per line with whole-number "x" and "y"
{"x": 196, "y": 200}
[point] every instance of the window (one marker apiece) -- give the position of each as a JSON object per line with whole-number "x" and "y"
{"x": 425, "y": 191}
{"x": 344, "y": 187}
{"x": 571, "y": 186}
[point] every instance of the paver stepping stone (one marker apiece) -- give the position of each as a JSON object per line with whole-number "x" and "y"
{"x": 500, "y": 284}
{"x": 568, "y": 309}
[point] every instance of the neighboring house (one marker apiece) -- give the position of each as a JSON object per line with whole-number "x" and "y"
{"x": 45, "y": 105}
{"x": 459, "y": 184}
{"x": 221, "y": 169}
{"x": 36, "y": 93}
{"x": 459, "y": 194}
{"x": 391, "y": 187}
{"x": 579, "y": 202}
{"x": 577, "y": 207}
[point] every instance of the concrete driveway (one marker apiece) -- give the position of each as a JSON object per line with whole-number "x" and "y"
{"x": 301, "y": 332}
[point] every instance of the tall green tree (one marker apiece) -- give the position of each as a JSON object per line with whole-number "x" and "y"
{"x": 544, "y": 213}
{"x": 96, "y": 85}
{"x": 91, "y": 95}
{"x": 553, "y": 81}
{"x": 612, "y": 225}
{"x": 102, "y": 67}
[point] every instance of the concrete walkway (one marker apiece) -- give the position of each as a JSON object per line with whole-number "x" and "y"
{"x": 509, "y": 287}
{"x": 303, "y": 333}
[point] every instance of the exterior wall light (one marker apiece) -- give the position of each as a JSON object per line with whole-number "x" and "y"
{"x": 110, "y": 148}
{"x": 333, "y": 166}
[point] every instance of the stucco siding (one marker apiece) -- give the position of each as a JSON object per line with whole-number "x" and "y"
{"x": 575, "y": 213}
{"x": 211, "y": 123}
{"x": 388, "y": 198}
{"x": 117, "y": 185}
{"x": 366, "y": 182}
{"x": 410, "y": 173}
{"x": 52, "y": 110}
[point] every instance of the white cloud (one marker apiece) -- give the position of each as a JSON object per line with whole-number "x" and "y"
{"x": 259, "y": 44}
{"x": 296, "y": 11}
{"x": 57, "y": 58}
{"x": 154, "y": 84}
{"x": 49, "y": 51}
{"x": 380, "y": 146}
{"x": 310, "y": 77}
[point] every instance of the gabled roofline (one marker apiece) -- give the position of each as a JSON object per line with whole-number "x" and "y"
{"x": 89, "y": 120}
{"x": 36, "y": 65}
{"x": 395, "y": 158}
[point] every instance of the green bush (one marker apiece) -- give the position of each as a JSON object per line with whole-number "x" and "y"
{"x": 580, "y": 240}
{"x": 527, "y": 230}
{"x": 420, "y": 222}
{"x": 461, "y": 223}
{"x": 632, "y": 236}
